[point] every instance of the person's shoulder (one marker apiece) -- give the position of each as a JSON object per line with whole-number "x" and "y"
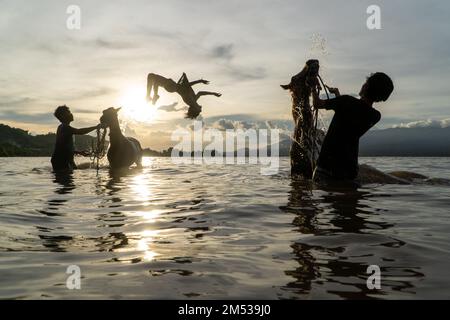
{"x": 347, "y": 97}
{"x": 345, "y": 100}
{"x": 376, "y": 114}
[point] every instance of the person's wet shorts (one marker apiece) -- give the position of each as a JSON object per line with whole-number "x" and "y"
{"x": 322, "y": 175}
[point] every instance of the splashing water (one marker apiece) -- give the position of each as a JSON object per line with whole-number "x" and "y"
{"x": 319, "y": 44}
{"x": 319, "y": 50}
{"x": 310, "y": 126}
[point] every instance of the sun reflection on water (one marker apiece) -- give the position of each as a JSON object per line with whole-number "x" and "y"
{"x": 144, "y": 244}
{"x": 142, "y": 188}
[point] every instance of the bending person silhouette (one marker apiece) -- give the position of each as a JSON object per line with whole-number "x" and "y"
{"x": 183, "y": 87}
{"x": 338, "y": 159}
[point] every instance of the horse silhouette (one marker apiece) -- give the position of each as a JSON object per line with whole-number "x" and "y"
{"x": 123, "y": 151}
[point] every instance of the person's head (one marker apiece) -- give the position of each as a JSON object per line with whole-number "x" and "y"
{"x": 378, "y": 87}
{"x": 193, "y": 110}
{"x": 63, "y": 114}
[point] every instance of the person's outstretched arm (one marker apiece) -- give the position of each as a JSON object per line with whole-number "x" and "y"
{"x": 317, "y": 102}
{"x": 85, "y": 130}
{"x": 199, "y": 81}
{"x": 334, "y": 91}
{"x": 207, "y": 93}
{"x": 329, "y": 104}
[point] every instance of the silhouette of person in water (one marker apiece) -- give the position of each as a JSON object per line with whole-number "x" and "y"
{"x": 338, "y": 159}
{"x": 183, "y": 87}
{"x": 62, "y": 158}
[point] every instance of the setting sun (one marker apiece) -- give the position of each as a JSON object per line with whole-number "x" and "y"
{"x": 135, "y": 106}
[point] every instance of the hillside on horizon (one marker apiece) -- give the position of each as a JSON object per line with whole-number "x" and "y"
{"x": 406, "y": 142}
{"x": 399, "y": 142}
{"x": 16, "y": 142}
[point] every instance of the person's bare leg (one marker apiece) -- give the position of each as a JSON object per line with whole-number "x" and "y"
{"x": 150, "y": 82}
{"x": 193, "y": 83}
{"x": 183, "y": 78}
{"x": 155, "y": 93}
{"x": 155, "y": 81}
{"x": 207, "y": 93}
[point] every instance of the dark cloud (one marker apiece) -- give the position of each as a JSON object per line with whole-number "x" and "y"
{"x": 14, "y": 102}
{"x": 115, "y": 45}
{"x": 68, "y": 43}
{"x": 224, "y": 52}
{"x": 171, "y": 107}
{"x": 87, "y": 94}
{"x": 42, "y": 118}
{"x": 157, "y": 33}
{"x": 86, "y": 111}
{"x": 246, "y": 73}
{"x": 97, "y": 92}
{"x": 44, "y": 60}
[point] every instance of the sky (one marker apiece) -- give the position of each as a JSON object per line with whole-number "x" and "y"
{"x": 245, "y": 48}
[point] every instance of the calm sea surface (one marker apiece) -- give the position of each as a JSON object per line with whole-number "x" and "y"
{"x": 220, "y": 232}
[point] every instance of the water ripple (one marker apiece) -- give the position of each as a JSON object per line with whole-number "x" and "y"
{"x": 193, "y": 231}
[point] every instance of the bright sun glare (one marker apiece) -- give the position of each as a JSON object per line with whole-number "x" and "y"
{"x": 135, "y": 106}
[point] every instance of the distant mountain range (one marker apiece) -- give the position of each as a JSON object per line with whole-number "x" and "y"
{"x": 409, "y": 142}
{"x": 398, "y": 142}
{"x": 406, "y": 142}
{"x": 20, "y": 143}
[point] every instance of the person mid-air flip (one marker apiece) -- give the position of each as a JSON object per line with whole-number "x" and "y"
{"x": 183, "y": 87}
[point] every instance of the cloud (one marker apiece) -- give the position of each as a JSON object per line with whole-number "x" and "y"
{"x": 95, "y": 92}
{"x": 157, "y": 140}
{"x": 236, "y": 117}
{"x": 224, "y": 52}
{"x": 226, "y": 124}
{"x": 129, "y": 132}
{"x": 86, "y": 111}
{"x": 444, "y": 123}
{"x": 285, "y": 127}
{"x": 171, "y": 107}
{"x": 44, "y": 64}
{"x": 246, "y": 73}
{"x": 117, "y": 45}
{"x": 152, "y": 32}
{"x": 14, "y": 102}
{"x": 45, "y": 117}
{"x": 223, "y": 124}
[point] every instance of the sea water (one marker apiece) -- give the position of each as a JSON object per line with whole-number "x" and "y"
{"x": 220, "y": 231}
